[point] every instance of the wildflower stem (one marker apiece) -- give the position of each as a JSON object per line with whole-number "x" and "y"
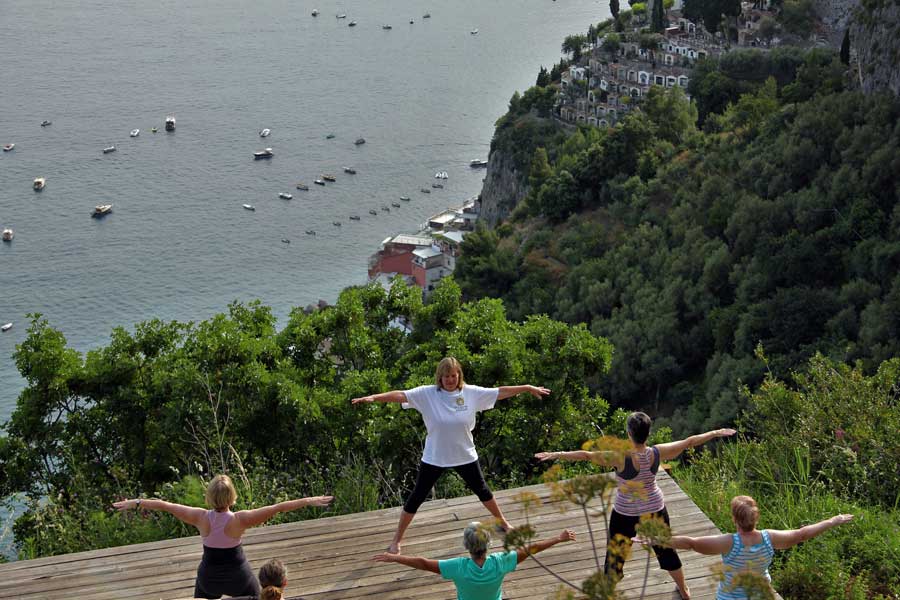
{"x": 546, "y": 568}
{"x": 587, "y": 519}
{"x": 646, "y": 575}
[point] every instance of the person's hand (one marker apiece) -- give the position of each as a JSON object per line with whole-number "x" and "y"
{"x": 125, "y": 504}
{"x": 841, "y": 519}
{"x": 567, "y": 535}
{"x": 384, "y": 557}
{"x": 725, "y": 432}
{"x": 320, "y": 500}
{"x": 545, "y": 456}
{"x": 370, "y": 398}
{"x": 537, "y": 392}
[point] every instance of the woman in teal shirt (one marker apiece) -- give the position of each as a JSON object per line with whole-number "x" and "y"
{"x": 480, "y": 575}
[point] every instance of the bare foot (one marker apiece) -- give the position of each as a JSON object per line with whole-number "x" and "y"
{"x": 685, "y": 593}
{"x": 394, "y": 548}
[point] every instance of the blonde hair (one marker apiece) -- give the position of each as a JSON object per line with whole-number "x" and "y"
{"x": 744, "y": 512}
{"x": 220, "y": 493}
{"x": 445, "y": 367}
{"x": 272, "y": 579}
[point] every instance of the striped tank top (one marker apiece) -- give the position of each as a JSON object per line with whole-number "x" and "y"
{"x": 217, "y": 537}
{"x": 753, "y": 559}
{"x": 637, "y": 493}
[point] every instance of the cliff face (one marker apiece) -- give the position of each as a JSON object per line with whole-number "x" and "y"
{"x": 504, "y": 187}
{"x": 875, "y": 35}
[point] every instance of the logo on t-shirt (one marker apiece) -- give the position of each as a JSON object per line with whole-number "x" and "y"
{"x": 460, "y": 403}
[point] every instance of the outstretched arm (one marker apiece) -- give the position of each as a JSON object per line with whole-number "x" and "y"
{"x": 782, "y": 540}
{"x": 186, "y": 514}
{"x": 416, "y": 562}
{"x": 605, "y": 458}
{"x": 513, "y": 390}
{"x": 257, "y": 516}
{"x": 567, "y": 535}
{"x": 394, "y": 396}
{"x": 708, "y": 544}
{"x": 673, "y": 449}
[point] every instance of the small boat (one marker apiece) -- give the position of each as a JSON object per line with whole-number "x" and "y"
{"x": 336, "y": 223}
{"x": 39, "y": 184}
{"x": 135, "y": 132}
{"x": 444, "y": 175}
{"x": 478, "y": 163}
{"x": 474, "y": 32}
{"x": 438, "y": 186}
{"x": 328, "y": 177}
{"x": 265, "y": 132}
{"x": 330, "y": 136}
{"x": 360, "y": 142}
{"x": 386, "y": 208}
{"x": 341, "y": 16}
{"x": 425, "y": 191}
{"x": 303, "y": 186}
{"x": 109, "y": 149}
{"x": 351, "y": 24}
{"x": 153, "y": 130}
{"x": 373, "y": 211}
{"x": 285, "y": 241}
{"x": 319, "y": 182}
{"x": 285, "y": 196}
{"x": 315, "y": 12}
{"x": 101, "y": 210}
{"x": 395, "y": 204}
{"x": 267, "y": 153}
{"x": 170, "y": 123}
{"x": 8, "y": 147}
{"x": 45, "y": 123}
{"x": 310, "y": 232}
{"x": 249, "y": 207}
{"x": 411, "y": 21}
{"x": 404, "y": 198}
{"x": 354, "y": 217}
{"x": 350, "y": 170}
{"x": 426, "y": 16}
{"x": 8, "y": 234}
{"x": 386, "y": 27}
{"x": 6, "y": 327}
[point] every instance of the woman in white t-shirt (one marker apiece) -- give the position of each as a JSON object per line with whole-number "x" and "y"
{"x": 448, "y": 409}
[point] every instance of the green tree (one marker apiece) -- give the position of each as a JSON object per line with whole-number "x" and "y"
{"x": 543, "y": 78}
{"x": 573, "y": 45}
{"x": 658, "y": 22}
{"x": 614, "y": 9}
{"x": 673, "y": 114}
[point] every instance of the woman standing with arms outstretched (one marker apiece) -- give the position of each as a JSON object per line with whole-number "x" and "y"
{"x": 448, "y": 408}
{"x": 224, "y": 568}
{"x": 637, "y": 493}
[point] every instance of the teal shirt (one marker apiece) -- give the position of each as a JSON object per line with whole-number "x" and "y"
{"x": 479, "y": 583}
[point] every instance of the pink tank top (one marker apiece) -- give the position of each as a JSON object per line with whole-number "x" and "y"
{"x": 638, "y": 492}
{"x": 217, "y": 537}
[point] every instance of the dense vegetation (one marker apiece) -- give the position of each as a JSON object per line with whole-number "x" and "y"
{"x": 776, "y": 222}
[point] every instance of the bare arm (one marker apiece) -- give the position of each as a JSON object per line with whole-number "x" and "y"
{"x": 186, "y": 514}
{"x": 416, "y": 562}
{"x": 673, "y": 449}
{"x": 257, "y": 516}
{"x": 566, "y": 536}
{"x": 782, "y": 540}
{"x": 605, "y": 458}
{"x": 709, "y": 544}
{"x": 513, "y": 390}
{"x": 394, "y": 396}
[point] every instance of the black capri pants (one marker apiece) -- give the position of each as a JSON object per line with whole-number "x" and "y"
{"x": 225, "y": 571}
{"x": 429, "y": 474}
{"x": 624, "y": 525}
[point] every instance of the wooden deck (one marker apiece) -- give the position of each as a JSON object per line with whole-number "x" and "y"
{"x": 329, "y": 558}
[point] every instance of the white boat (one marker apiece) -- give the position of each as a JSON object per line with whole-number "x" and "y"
{"x": 45, "y": 123}
{"x": 285, "y": 241}
{"x": 8, "y": 147}
{"x": 310, "y": 232}
{"x": 135, "y": 132}
{"x": 474, "y": 32}
{"x": 478, "y": 163}
{"x": 109, "y": 149}
{"x": 426, "y": 16}
{"x": 395, "y": 204}
{"x": 351, "y": 24}
{"x": 315, "y": 12}
{"x": 267, "y": 153}
{"x": 170, "y": 123}
{"x": 404, "y": 198}
{"x": 8, "y": 234}
{"x": 101, "y": 210}
{"x": 6, "y": 327}
{"x": 444, "y": 175}
{"x": 265, "y": 132}
{"x": 360, "y": 141}
{"x": 341, "y": 16}
{"x": 153, "y": 130}
{"x": 285, "y": 196}
{"x": 319, "y": 182}
{"x": 350, "y": 170}
{"x": 386, "y": 27}
{"x": 249, "y": 207}
{"x": 39, "y": 183}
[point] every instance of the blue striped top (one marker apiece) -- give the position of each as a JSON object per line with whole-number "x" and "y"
{"x": 744, "y": 559}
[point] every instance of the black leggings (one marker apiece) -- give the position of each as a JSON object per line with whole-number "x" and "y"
{"x": 429, "y": 474}
{"x": 225, "y": 571}
{"x": 623, "y": 525}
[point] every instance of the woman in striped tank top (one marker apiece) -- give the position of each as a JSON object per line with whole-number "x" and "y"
{"x": 637, "y": 493}
{"x": 224, "y": 569}
{"x": 750, "y": 551}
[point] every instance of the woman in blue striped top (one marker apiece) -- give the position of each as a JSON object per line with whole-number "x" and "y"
{"x": 637, "y": 493}
{"x": 750, "y": 551}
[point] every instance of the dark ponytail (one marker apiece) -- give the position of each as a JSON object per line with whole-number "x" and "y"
{"x": 272, "y": 579}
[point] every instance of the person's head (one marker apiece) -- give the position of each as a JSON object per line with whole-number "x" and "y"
{"x": 272, "y": 580}
{"x": 476, "y": 539}
{"x": 638, "y": 426}
{"x": 744, "y": 513}
{"x": 220, "y": 493}
{"x": 449, "y": 374}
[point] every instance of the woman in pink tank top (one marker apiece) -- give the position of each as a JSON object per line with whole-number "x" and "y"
{"x": 637, "y": 493}
{"x": 224, "y": 568}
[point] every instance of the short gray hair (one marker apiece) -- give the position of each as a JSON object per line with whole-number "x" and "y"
{"x": 476, "y": 539}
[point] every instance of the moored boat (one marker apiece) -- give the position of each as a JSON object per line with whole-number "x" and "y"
{"x": 474, "y": 32}
{"x": 350, "y": 170}
{"x": 285, "y": 241}
{"x": 351, "y": 24}
{"x": 249, "y": 207}
{"x": 386, "y": 27}
{"x": 354, "y": 217}
{"x": 310, "y": 232}
{"x": 315, "y": 12}
{"x": 6, "y": 327}
{"x": 153, "y": 130}
{"x": 285, "y": 196}
{"x": 45, "y": 123}
{"x": 109, "y": 149}
{"x": 336, "y": 223}
{"x": 386, "y": 208}
{"x": 135, "y": 132}
{"x": 425, "y": 191}
{"x": 439, "y": 186}
{"x": 360, "y": 141}
{"x": 426, "y": 16}
{"x": 478, "y": 163}
{"x": 39, "y": 183}
{"x": 8, "y": 234}
{"x": 101, "y": 210}
{"x": 395, "y": 204}
{"x": 319, "y": 182}
{"x": 328, "y": 177}
{"x": 265, "y": 132}
{"x": 404, "y": 198}
{"x": 330, "y": 136}
{"x": 302, "y": 186}
{"x": 341, "y": 16}
{"x": 372, "y": 211}
{"x": 170, "y": 123}
{"x": 267, "y": 153}
{"x": 8, "y": 147}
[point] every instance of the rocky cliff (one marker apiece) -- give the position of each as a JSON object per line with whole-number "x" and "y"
{"x": 504, "y": 187}
{"x": 875, "y": 35}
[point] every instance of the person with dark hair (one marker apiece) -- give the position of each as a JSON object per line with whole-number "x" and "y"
{"x": 449, "y": 408}
{"x": 224, "y": 569}
{"x": 637, "y": 493}
{"x": 272, "y": 580}
{"x": 480, "y": 575}
{"x": 749, "y": 551}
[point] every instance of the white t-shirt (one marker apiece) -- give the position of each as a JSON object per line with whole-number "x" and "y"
{"x": 450, "y": 418}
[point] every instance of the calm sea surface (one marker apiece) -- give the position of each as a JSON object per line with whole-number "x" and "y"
{"x": 178, "y": 244}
